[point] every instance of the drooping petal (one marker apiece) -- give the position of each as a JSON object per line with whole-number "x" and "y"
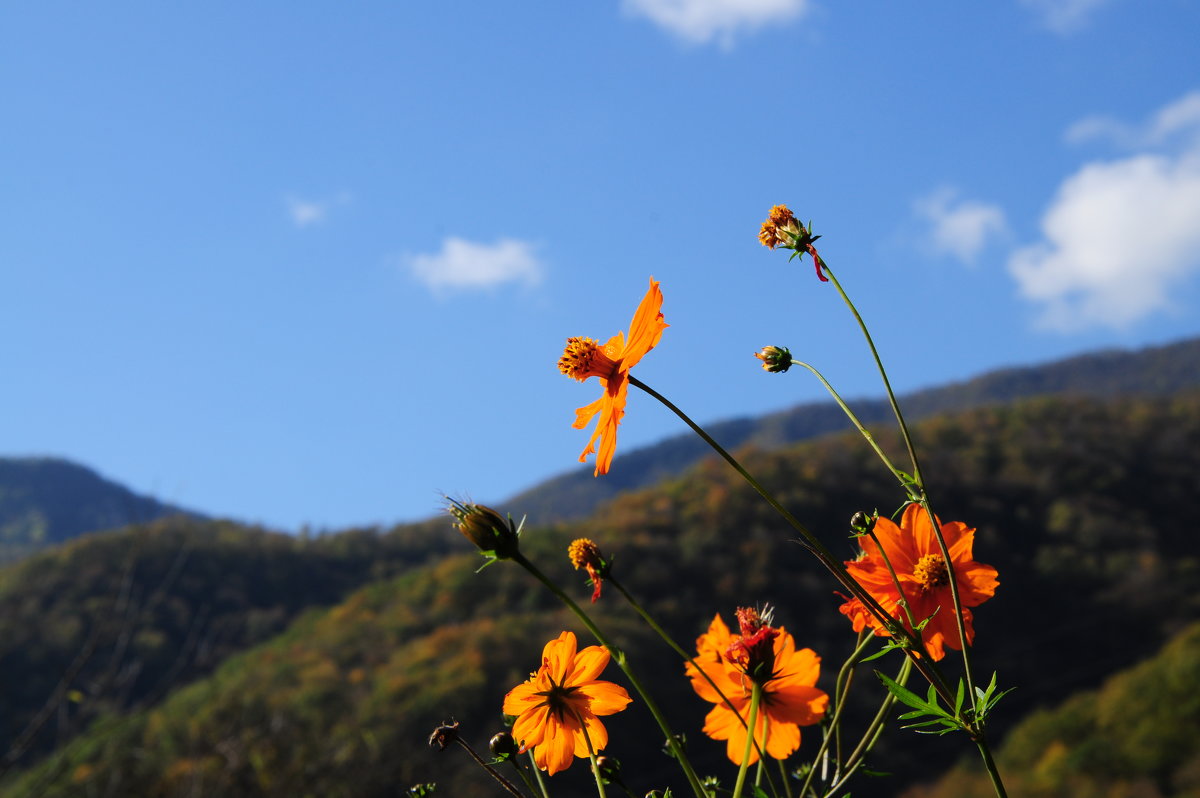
{"x": 584, "y": 414}
{"x": 647, "y": 327}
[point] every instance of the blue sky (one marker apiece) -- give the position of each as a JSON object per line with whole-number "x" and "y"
{"x": 298, "y": 263}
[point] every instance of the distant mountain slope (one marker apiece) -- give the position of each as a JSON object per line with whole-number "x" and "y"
{"x": 45, "y": 500}
{"x": 1154, "y": 371}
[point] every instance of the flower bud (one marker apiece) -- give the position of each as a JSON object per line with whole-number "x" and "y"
{"x": 862, "y": 523}
{"x": 610, "y": 769}
{"x": 503, "y": 746}
{"x": 775, "y": 359}
{"x": 493, "y": 535}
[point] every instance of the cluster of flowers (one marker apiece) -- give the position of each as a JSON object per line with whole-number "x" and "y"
{"x": 914, "y": 581}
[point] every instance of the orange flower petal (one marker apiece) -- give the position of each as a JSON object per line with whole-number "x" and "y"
{"x": 647, "y": 327}
{"x": 604, "y": 698}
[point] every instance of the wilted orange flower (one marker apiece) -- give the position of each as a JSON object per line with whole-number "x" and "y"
{"x": 584, "y": 357}
{"x": 556, "y": 707}
{"x": 763, "y": 654}
{"x": 783, "y": 229}
{"x": 584, "y": 553}
{"x": 913, "y": 551}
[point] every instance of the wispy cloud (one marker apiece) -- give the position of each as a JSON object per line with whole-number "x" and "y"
{"x": 465, "y": 265}
{"x": 1121, "y": 234}
{"x": 959, "y": 227}
{"x": 722, "y": 21}
{"x": 1064, "y": 16}
{"x": 306, "y": 212}
{"x": 1173, "y": 122}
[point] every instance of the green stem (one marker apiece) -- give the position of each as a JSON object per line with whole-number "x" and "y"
{"x": 862, "y": 325}
{"x": 587, "y": 738}
{"x": 871, "y": 734}
{"x": 619, "y": 657}
{"x": 508, "y": 785}
{"x": 525, "y": 776}
{"x": 854, "y": 420}
{"x": 990, "y": 764}
{"x": 537, "y": 773}
{"x": 752, "y": 724}
{"x": 841, "y": 690}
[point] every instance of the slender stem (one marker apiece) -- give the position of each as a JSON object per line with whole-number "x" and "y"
{"x": 538, "y": 775}
{"x": 587, "y": 738}
{"x": 508, "y": 785}
{"x": 990, "y": 763}
{"x": 952, "y": 578}
{"x": 516, "y": 763}
{"x": 854, "y": 420}
{"x": 619, "y": 657}
{"x": 755, "y": 700}
{"x": 871, "y": 734}
{"x": 840, "y": 691}
{"x": 783, "y": 776}
{"x": 862, "y": 325}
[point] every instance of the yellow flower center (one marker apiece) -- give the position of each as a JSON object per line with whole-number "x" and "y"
{"x": 931, "y": 572}
{"x": 584, "y": 552}
{"x": 583, "y": 358}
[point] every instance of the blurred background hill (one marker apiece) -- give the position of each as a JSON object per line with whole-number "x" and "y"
{"x": 184, "y": 656}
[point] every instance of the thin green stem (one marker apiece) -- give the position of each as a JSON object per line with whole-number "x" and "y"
{"x": 537, "y": 773}
{"x": 952, "y": 577}
{"x": 505, "y": 783}
{"x": 874, "y": 729}
{"x": 619, "y": 657}
{"x": 840, "y": 691}
{"x": 587, "y": 738}
{"x": 862, "y": 325}
{"x": 755, "y": 700}
{"x": 516, "y": 763}
{"x": 854, "y": 420}
{"x": 990, "y": 763}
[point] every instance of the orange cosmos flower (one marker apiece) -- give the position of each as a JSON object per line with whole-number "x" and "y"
{"x": 913, "y": 551}
{"x": 584, "y": 357}
{"x": 556, "y": 708}
{"x": 766, "y": 655}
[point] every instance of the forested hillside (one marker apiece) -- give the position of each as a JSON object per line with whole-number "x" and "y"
{"x": 1079, "y": 503}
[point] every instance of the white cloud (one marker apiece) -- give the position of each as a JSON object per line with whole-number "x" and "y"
{"x": 701, "y": 21}
{"x": 1179, "y": 120}
{"x": 961, "y": 228}
{"x": 466, "y": 265}
{"x": 1119, "y": 235}
{"x": 1063, "y": 16}
{"x": 305, "y": 213}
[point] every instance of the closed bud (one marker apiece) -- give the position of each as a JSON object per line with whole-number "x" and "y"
{"x": 503, "y": 746}
{"x": 610, "y": 769}
{"x": 862, "y": 523}
{"x": 492, "y": 534}
{"x": 775, "y": 359}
